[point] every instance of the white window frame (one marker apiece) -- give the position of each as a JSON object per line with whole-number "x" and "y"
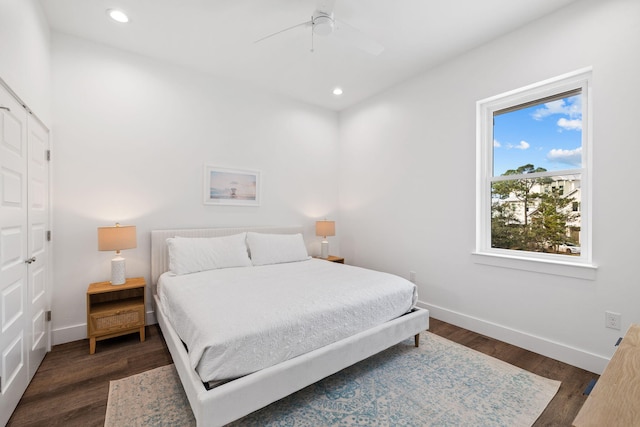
{"x": 581, "y": 266}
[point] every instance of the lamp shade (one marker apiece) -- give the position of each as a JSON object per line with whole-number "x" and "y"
{"x": 117, "y": 238}
{"x": 325, "y": 228}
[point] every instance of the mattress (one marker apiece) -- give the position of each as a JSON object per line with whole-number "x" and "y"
{"x": 236, "y": 321}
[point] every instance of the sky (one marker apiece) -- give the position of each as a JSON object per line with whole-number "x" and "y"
{"x": 546, "y": 135}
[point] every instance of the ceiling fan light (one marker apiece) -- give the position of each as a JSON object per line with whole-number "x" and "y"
{"x": 337, "y": 91}
{"x": 322, "y": 25}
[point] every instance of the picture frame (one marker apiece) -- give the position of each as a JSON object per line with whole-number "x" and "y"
{"x": 235, "y": 187}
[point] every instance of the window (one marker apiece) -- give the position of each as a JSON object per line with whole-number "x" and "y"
{"x": 533, "y": 172}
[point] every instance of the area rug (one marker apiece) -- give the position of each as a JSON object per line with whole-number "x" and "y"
{"x": 441, "y": 383}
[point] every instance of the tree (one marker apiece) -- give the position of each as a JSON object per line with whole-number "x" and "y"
{"x": 529, "y": 213}
{"x": 550, "y": 219}
{"x": 505, "y": 227}
{"x": 521, "y": 189}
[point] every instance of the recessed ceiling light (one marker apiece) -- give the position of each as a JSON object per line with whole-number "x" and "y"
{"x": 118, "y": 15}
{"x": 337, "y": 91}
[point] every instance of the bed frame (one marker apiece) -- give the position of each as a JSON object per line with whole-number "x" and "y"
{"x": 235, "y": 399}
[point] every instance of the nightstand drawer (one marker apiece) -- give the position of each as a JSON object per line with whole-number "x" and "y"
{"x": 116, "y": 319}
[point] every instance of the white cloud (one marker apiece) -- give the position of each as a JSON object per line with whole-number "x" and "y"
{"x": 496, "y": 144}
{"x": 550, "y": 108}
{"x": 575, "y": 124}
{"x": 570, "y": 157}
{"x": 572, "y": 108}
{"x": 524, "y": 145}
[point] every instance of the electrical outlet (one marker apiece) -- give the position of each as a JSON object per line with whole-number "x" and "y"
{"x": 412, "y": 276}
{"x": 612, "y": 320}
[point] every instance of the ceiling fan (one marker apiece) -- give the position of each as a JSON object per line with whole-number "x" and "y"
{"x": 323, "y": 23}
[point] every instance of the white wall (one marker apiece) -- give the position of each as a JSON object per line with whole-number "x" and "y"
{"x": 132, "y": 136}
{"x": 25, "y": 57}
{"x": 407, "y": 185}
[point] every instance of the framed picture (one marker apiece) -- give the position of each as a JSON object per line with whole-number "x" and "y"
{"x": 238, "y": 187}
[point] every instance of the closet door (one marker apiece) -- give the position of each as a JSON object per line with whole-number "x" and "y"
{"x": 14, "y": 371}
{"x": 24, "y": 250}
{"x": 37, "y": 246}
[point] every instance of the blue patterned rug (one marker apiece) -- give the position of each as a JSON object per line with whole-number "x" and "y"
{"x": 439, "y": 384}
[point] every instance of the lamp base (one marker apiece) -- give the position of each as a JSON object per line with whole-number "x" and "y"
{"x": 324, "y": 249}
{"x": 118, "y": 271}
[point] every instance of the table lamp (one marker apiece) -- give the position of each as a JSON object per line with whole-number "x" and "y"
{"x": 325, "y": 228}
{"x": 116, "y": 239}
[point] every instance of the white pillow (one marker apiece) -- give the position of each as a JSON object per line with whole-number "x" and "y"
{"x": 276, "y": 248}
{"x": 193, "y": 254}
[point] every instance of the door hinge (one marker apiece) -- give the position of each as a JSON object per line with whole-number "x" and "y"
{"x": 48, "y": 235}
{"x": 48, "y": 318}
{"x": 48, "y": 155}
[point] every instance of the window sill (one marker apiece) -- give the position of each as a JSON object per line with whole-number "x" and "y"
{"x": 545, "y": 266}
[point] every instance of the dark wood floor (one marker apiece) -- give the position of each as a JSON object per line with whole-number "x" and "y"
{"x": 71, "y": 386}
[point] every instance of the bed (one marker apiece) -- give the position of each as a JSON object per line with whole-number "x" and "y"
{"x": 221, "y": 381}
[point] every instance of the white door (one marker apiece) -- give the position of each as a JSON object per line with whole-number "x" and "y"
{"x": 24, "y": 290}
{"x": 14, "y": 371}
{"x": 37, "y": 247}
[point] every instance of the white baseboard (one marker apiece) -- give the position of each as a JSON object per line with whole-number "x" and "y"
{"x": 555, "y": 350}
{"x": 79, "y": 332}
{"x": 151, "y": 318}
{"x": 69, "y": 333}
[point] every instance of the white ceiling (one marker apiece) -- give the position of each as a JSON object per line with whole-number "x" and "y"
{"x": 217, "y": 37}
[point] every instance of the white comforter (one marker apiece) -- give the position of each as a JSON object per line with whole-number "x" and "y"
{"x": 236, "y": 321}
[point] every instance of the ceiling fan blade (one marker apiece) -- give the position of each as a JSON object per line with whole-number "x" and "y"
{"x": 325, "y": 6}
{"x": 357, "y": 38}
{"x": 303, "y": 24}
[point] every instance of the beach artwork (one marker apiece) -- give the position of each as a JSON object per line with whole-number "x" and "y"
{"x": 231, "y": 186}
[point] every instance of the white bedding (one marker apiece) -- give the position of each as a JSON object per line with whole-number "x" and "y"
{"x": 259, "y": 316}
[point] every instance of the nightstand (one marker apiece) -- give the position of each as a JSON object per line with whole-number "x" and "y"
{"x": 114, "y": 310}
{"x": 333, "y": 258}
